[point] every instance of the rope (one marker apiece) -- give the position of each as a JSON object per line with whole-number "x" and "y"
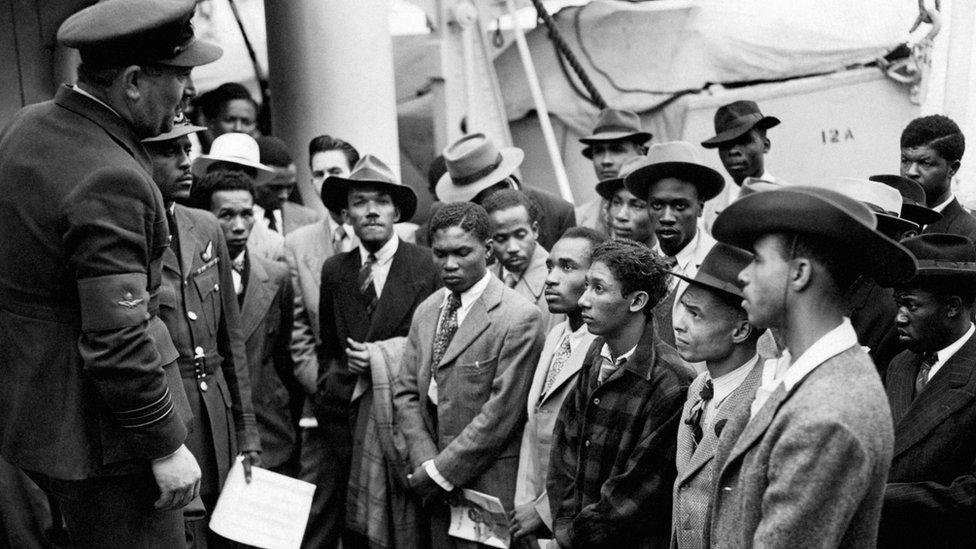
{"x": 563, "y": 48}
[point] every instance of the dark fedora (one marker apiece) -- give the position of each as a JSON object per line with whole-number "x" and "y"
{"x": 677, "y": 159}
{"x": 945, "y": 256}
{"x": 720, "y": 270}
{"x": 609, "y": 187}
{"x": 823, "y": 213}
{"x": 615, "y": 125}
{"x": 735, "y": 119}
{"x": 131, "y": 32}
{"x": 369, "y": 171}
{"x": 884, "y": 201}
{"x": 913, "y": 206}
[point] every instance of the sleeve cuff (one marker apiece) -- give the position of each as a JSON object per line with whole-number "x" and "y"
{"x": 434, "y": 474}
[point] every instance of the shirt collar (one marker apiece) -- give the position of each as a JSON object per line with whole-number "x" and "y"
{"x": 333, "y": 226}
{"x": 472, "y": 294}
{"x": 830, "y": 345}
{"x": 95, "y": 99}
{"x": 575, "y": 338}
{"x": 686, "y": 254}
{"x": 725, "y": 384}
{"x": 940, "y": 207}
{"x": 384, "y": 254}
{"x": 606, "y": 356}
{"x": 944, "y": 355}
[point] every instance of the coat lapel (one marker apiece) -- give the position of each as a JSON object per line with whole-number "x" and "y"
{"x": 572, "y": 366}
{"x": 900, "y": 384}
{"x": 542, "y": 369}
{"x": 757, "y": 425}
{"x": 944, "y": 394}
{"x": 398, "y": 294}
{"x": 476, "y": 321}
{"x": 259, "y": 293}
{"x": 189, "y": 244}
{"x": 686, "y": 442}
{"x": 317, "y": 250}
{"x": 535, "y": 276}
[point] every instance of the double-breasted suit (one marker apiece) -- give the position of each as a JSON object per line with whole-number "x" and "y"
{"x": 266, "y": 322}
{"x": 542, "y": 411}
{"x": 696, "y": 463}
{"x": 483, "y": 379}
{"x": 809, "y": 468}
{"x": 198, "y": 305}
{"x": 930, "y": 499}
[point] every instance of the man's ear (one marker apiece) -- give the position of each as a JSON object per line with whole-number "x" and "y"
{"x": 766, "y": 144}
{"x": 396, "y": 214}
{"x": 344, "y": 214}
{"x": 954, "y": 167}
{"x": 639, "y": 301}
{"x": 952, "y": 305}
{"x": 800, "y": 274}
{"x": 742, "y": 331}
{"x": 535, "y": 229}
{"x": 131, "y": 78}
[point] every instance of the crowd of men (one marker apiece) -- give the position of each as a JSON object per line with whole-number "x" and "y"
{"x": 697, "y": 364}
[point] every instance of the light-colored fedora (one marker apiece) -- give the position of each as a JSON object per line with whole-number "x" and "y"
{"x": 474, "y": 163}
{"x": 234, "y": 148}
{"x": 677, "y": 159}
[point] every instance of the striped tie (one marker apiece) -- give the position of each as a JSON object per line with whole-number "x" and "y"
{"x": 366, "y": 286}
{"x": 922, "y": 379}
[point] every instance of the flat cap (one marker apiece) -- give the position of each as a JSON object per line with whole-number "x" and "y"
{"x": 124, "y": 32}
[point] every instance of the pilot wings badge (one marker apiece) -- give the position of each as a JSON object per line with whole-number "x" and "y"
{"x": 128, "y": 301}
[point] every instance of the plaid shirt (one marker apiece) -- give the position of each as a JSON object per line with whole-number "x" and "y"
{"x": 611, "y": 467}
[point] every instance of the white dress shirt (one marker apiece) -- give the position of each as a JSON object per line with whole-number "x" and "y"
{"x": 722, "y": 387}
{"x": 468, "y": 298}
{"x": 789, "y": 372}
{"x": 942, "y": 206}
{"x": 384, "y": 258}
{"x": 235, "y": 274}
{"x": 609, "y": 365}
{"x": 944, "y": 355}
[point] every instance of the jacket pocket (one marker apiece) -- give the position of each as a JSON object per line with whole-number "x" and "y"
{"x": 474, "y": 382}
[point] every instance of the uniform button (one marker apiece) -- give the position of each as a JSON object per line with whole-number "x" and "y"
{"x": 596, "y": 401}
{"x": 191, "y": 315}
{"x": 198, "y": 351}
{"x": 727, "y": 489}
{"x": 586, "y": 443}
{"x": 216, "y": 287}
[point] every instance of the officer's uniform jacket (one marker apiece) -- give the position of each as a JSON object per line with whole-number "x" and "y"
{"x": 198, "y": 305}
{"x": 86, "y": 383}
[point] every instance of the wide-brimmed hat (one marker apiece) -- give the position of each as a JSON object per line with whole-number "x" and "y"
{"x": 235, "y": 148}
{"x": 939, "y": 255}
{"x": 180, "y": 128}
{"x": 677, "y": 159}
{"x": 735, "y": 119}
{"x": 823, "y": 213}
{"x": 369, "y": 171}
{"x": 609, "y": 187}
{"x": 124, "y": 32}
{"x": 615, "y": 125}
{"x": 913, "y": 206}
{"x": 474, "y": 163}
{"x": 881, "y": 199}
{"x": 720, "y": 269}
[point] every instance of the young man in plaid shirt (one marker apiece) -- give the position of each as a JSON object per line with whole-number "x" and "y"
{"x": 612, "y": 462}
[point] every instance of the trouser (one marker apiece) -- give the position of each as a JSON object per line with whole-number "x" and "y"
{"x": 25, "y": 515}
{"x": 110, "y": 512}
{"x": 325, "y": 464}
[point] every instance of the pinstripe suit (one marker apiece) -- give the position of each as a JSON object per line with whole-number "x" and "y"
{"x": 930, "y": 499}
{"x": 694, "y": 484}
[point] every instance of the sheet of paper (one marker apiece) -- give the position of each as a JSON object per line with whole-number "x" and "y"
{"x": 481, "y": 518}
{"x": 270, "y": 512}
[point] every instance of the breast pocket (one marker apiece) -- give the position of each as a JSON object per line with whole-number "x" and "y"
{"x": 474, "y": 381}
{"x": 207, "y": 284}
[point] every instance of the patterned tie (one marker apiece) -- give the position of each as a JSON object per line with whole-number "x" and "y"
{"x": 511, "y": 280}
{"x": 698, "y": 410}
{"x": 928, "y": 360}
{"x": 445, "y": 332}
{"x": 672, "y": 263}
{"x": 366, "y": 286}
{"x": 558, "y": 361}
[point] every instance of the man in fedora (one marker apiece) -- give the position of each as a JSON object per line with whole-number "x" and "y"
{"x": 616, "y": 138}
{"x": 913, "y": 206}
{"x": 628, "y": 216}
{"x": 368, "y": 295}
{"x": 240, "y": 152}
{"x": 809, "y": 459}
{"x": 740, "y": 137}
{"x": 205, "y": 326}
{"x": 711, "y": 326}
{"x": 90, "y": 401}
{"x": 476, "y": 167}
{"x": 931, "y": 153}
{"x": 676, "y": 186}
{"x": 931, "y": 386}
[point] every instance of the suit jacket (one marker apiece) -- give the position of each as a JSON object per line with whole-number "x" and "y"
{"x": 294, "y": 216}
{"x": 533, "y": 469}
{"x": 955, "y": 220}
{"x": 557, "y": 216}
{"x": 306, "y": 249}
{"x": 198, "y": 305}
{"x": 696, "y": 465}
{"x": 808, "y": 469}
{"x": 87, "y": 384}
{"x": 486, "y": 369}
{"x": 611, "y": 469}
{"x": 930, "y": 499}
{"x": 593, "y": 214}
{"x": 266, "y": 243}
{"x": 532, "y": 285}
{"x": 266, "y": 321}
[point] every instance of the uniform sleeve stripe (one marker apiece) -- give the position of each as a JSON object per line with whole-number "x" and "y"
{"x": 155, "y": 404}
{"x": 147, "y": 415}
{"x": 161, "y": 417}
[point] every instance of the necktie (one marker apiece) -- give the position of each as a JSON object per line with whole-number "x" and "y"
{"x": 446, "y": 328}
{"x": 558, "y": 361}
{"x": 608, "y": 367}
{"x": 670, "y": 261}
{"x": 698, "y": 410}
{"x": 174, "y": 236}
{"x": 928, "y": 360}
{"x": 511, "y": 280}
{"x": 272, "y": 222}
{"x": 338, "y": 235}
{"x": 672, "y": 264}
{"x": 366, "y": 286}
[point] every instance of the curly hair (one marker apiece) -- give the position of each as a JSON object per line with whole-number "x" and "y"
{"x": 636, "y": 267}
{"x": 202, "y": 191}
{"x": 938, "y": 132}
{"x": 470, "y": 217}
{"x": 511, "y": 198}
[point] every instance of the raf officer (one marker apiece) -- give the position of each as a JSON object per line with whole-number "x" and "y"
{"x": 90, "y": 402}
